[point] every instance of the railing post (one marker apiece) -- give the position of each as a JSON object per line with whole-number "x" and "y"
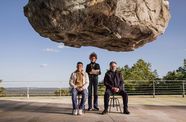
{"x": 28, "y": 95}
{"x": 154, "y": 89}
{"x": 183, "y": 86}
{"x": 60, "y": 92}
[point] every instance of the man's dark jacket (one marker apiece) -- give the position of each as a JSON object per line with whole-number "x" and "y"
{"x": 113, "y": 79}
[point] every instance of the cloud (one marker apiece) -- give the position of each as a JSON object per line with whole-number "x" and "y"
{"x": 61, "y": 46}
{"x": 51, "y": 50}
{"x": 184, "y": 49}
{"x": 43, "y": 65}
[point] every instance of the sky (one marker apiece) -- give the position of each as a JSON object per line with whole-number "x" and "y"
{"x": 26, "y": 56}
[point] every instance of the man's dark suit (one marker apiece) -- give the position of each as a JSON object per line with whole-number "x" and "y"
{"x": 114, "y": 79}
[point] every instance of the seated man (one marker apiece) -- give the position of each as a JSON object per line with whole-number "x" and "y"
{"x": 114, "y": 84}
{"x": 79, "y": 82}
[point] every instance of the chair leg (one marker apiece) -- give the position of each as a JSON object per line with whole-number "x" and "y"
{"x": 116, "y": 104}
{"x": 113, "y": 102}
{"x": 78, "y": 99}
{"x": 119, "y": 106}
{"x": 110, "y": 105}
{"x": 84, "y": 109}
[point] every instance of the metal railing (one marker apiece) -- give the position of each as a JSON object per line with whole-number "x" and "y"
{"x": 32, "y": 88}
{"x": 156, "y": 87}
{"x": 58, "y": 88}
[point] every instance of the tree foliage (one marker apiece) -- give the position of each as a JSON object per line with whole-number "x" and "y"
{"x": 139, "y": 76}
{"x": 179, "y": 74}
{"x": 62, "y": 92}
{"x": 141, "y": 70}
{"x": 2, "y": 92}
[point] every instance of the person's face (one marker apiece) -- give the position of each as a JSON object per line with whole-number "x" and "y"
{"x": 113, "y": 67}
{"x": 80, "y": 67}
{"x": 93, "y": 59}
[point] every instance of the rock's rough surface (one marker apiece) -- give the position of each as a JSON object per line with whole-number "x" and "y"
{"x": 116, "y": 25}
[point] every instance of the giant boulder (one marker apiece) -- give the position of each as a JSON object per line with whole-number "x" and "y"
{"x": 115, "y": 25}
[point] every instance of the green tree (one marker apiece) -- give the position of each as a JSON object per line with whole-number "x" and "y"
{"x": 173, "y": 81}
{"x": 140, "y": 74}
{"x": 62, "y": 92}
{"x": 101, "y": 88}
{"x": 141, "y": 70}
{"x": 2, "y": 92}
{"x": 179, "y": 74}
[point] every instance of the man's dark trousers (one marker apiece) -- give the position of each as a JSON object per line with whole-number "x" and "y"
{"x": 123, "y": 93}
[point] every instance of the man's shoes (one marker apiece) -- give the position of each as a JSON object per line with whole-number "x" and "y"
{"x": 74, "y": 112}
{"x": 89, "y": 109}
{"x": 80, "y": 112}
{"x": 96, "y": 108}
{"x": 126, "y": 111}
{"x": 105, "y": 112}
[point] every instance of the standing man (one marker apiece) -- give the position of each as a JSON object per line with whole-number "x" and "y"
{"x": 79, "y": 83}
{"x": 114, "y": 85}
{"x": 93, "y": 70}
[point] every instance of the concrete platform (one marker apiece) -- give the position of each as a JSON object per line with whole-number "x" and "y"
{"x": 58, "y": 109}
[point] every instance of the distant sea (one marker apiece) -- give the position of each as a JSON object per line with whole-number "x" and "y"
{"x": 34, "y": 84}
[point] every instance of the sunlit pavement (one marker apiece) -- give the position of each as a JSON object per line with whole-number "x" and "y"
{"x": 59, "y": 109}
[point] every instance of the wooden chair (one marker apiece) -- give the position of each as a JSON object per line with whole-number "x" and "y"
{"x": 114, "y": 102}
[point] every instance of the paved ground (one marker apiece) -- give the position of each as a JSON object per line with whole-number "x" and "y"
{"x": 58, "y": 109}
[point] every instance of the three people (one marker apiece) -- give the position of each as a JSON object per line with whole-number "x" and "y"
{"x": 79, "y": 82}
{"x": 114, "y": 85}
{"x": 93, "y": 70}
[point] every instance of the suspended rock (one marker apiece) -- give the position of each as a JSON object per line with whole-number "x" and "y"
{"x": 115, "y": 25}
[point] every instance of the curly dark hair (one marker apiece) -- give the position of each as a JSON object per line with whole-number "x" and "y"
{"x": 93, "y": 55}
